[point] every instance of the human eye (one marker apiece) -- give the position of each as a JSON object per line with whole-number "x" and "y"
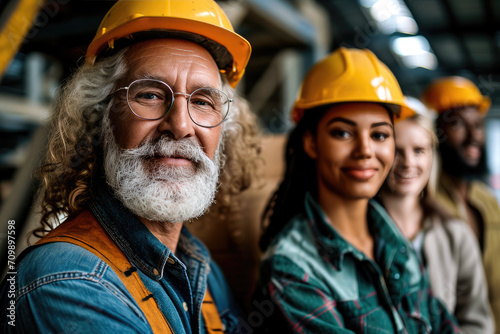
{"x": 457, "y": 123}
{"x": 380, "y": 135}
{"x": 202, "y": 103}
{"x": 419, "y": 150}
{"x": 340, "y": 133}
{"x": 205, "y": 100}
{"x": 148, "y": 95}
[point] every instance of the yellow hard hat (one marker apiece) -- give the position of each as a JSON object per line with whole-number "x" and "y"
{"x": 201, "y": 21}
{"x": 350, "y": 75}
{"x": 453, "y": 92}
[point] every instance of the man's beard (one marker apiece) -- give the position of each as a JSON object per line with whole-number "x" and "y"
{"x": 157, "y": 192}
{"x": 454, "y": 165}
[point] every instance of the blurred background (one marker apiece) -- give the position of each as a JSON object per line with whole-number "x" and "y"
{"x": 43, "y": 41}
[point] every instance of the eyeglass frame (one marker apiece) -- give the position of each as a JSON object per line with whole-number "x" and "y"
{"x": 187, "y": 96}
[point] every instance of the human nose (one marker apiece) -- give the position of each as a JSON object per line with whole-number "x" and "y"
{"x": 364, "y": 148}
{"x": 177, "y": 123}
{"x": 403, "y": 159}
{"x": 475, "y": 133}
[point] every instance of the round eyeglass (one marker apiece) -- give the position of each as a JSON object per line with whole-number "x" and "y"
{"x": 152, "y": 99}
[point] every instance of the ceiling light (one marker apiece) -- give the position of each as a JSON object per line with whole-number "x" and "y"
{"x": 414, "y": 51}
{"x": 391, "y": 16}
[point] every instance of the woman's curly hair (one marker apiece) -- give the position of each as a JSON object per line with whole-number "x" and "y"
{"x": 74, "y": 153}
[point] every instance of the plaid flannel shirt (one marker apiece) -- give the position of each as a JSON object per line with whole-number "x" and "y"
{"x": 319, "y": 283}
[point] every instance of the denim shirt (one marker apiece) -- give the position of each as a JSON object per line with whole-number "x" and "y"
{"x": 319, "y": 283}
{"x": 63, "y": 288}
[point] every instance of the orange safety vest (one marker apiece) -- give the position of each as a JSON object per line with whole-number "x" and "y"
{"x": 85, "y": 231}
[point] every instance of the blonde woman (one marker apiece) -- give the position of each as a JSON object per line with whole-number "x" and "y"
{"x": 444, "y": 245}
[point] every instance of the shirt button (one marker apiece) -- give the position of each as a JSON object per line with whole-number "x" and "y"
{"x": 170, "y": 260}
{"x": 403, "y": 250}
{"x": 156, "y": 272}
{"x": 396, "y": 276}
{"x": 185, "y": 306}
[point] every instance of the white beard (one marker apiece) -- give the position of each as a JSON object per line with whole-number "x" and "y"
{"x": 156, "y": 192}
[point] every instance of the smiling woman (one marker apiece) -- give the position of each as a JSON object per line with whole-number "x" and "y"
{"x": 353, "y": 148}
{"x": 445, "y": 246}
{"x": 334, "y": 261}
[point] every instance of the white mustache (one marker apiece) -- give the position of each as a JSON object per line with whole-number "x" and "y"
{"x": 168, "y": 147}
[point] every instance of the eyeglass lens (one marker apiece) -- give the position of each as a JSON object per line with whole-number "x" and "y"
{"x": 152, "y": 99}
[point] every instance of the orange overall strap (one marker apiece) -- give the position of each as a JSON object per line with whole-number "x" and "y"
{"x": 85, "y": 231}
{"x": 211, "y": 315}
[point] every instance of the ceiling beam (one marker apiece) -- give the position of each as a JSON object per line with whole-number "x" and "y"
{"x": 493, "y": 26}
{"x": 285, "y": 18}
{"x": 455, "y": 28}
{"x": 464, "y": 29}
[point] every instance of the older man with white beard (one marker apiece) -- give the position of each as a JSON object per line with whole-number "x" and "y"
{"x": 143, "y": 135}
{"x": 166, "y": 193}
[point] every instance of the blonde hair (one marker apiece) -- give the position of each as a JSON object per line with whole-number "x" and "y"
{"x": 74, "y": 153}
{"x": 426, "y": 123}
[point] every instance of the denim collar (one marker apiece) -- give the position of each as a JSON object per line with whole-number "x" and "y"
{"x": 387, "y": 237}
{"x": 140, "y": 246}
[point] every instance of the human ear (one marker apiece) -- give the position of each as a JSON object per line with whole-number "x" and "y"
{"x": 309, "y": 145}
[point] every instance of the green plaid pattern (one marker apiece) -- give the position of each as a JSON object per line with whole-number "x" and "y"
{"x": 319, "y": 283}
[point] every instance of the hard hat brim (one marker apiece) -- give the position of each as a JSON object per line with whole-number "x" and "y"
{"x": 399, "y": 111}
{"x": 237, "y": 46}
{"x": 485, "y": 105}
